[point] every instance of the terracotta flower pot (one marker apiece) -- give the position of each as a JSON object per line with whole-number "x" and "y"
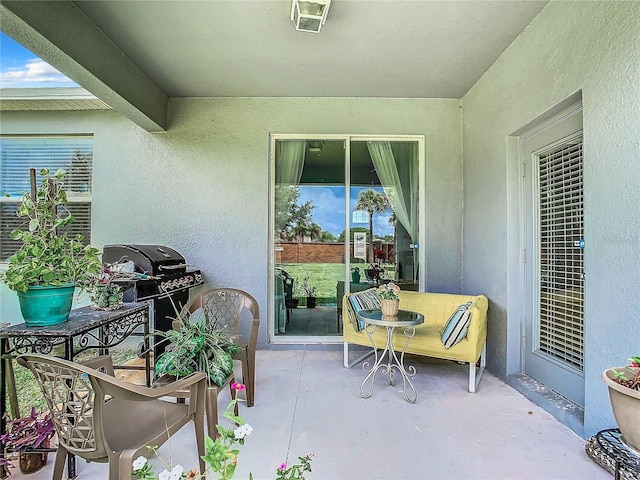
{"x": 625, "y": 403}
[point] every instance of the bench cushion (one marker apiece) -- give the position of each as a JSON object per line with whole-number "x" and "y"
{"x": 457, "y": 326}
{"x": 365, "y": 300}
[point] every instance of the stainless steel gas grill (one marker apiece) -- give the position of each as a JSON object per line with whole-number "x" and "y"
{"x": 166, "y": 280}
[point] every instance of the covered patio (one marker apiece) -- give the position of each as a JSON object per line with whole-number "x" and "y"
{"x": 182, "y": 158}
{"x": 307, "y": 403}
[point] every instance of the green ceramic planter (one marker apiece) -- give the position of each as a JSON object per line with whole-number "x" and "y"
{"x": 42, "y": 306}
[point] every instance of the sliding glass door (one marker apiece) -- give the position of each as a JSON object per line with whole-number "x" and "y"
{"x": 345, "y": 216}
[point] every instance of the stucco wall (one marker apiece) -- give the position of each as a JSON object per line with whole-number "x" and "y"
{"x": 202, "y": 187}
{"x": 571, "y": 46}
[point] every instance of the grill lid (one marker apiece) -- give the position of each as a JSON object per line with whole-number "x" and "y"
{"x": 149, "y": 259}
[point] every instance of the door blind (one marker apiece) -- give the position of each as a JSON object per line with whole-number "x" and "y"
{"x": 561, "y": 230}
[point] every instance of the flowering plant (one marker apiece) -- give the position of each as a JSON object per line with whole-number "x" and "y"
{"x": 221, "y": 454}
{"x": 375, "y": 271}
{"x": 629, "y": 377}
{"x": 295, "y": 472}
{"x": 388, "y": 291}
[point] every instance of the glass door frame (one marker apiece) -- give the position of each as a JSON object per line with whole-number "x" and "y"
{"x": 272, "y": 338}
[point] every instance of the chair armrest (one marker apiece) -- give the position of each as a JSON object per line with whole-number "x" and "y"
{"x": 117, "y": 388}
{"x": 102, "y": 363}
{"x": 129, "y": 391}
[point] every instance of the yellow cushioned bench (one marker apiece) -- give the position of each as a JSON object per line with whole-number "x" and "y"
{"x": 436, "y": 308}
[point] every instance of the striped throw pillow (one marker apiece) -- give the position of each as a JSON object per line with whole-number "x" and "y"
{"x": 457, "y": 326}
{"x": 365, "y": 300}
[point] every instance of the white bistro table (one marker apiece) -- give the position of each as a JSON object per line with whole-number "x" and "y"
{"x": 406, "y": 320}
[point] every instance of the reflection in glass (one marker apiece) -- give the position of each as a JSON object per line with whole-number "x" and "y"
{"x": 310, "y": 200}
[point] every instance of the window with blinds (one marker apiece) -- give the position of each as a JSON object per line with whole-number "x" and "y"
{"x": 561, "y": 211}
{"x": 18, "y": 155}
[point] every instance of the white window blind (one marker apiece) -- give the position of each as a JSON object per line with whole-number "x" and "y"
{"x": 561, "y": 211}
{"x": 19, "y": 154}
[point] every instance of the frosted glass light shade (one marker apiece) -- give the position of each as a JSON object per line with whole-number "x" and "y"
{"x": 309, "y": 15}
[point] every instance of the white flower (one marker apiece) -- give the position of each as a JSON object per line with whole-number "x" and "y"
{"x": 242, "y": 431}
{"x": 176, "y": 472}
{"x": 164, "y": 475}
{"x": 139, "y": 462}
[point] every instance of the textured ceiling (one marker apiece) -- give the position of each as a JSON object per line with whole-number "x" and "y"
{"x": 394, "y": 49}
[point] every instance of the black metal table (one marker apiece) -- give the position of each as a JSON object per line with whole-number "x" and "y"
{"x": 610, "y": 441}
{"x": 86, "y": 329}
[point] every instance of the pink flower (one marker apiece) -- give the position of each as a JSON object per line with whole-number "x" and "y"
{"x": 237, "y": 386}
{"x": 283, "y": 467}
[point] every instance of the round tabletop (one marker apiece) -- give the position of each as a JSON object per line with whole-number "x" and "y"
{"x": 405, "y": 318}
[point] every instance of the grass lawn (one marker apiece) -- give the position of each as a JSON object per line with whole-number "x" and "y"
{"x": 323, "y": 276}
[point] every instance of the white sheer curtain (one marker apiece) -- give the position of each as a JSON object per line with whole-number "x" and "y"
{"x": 289, "y": 161}
{"x": 399, "y": 177}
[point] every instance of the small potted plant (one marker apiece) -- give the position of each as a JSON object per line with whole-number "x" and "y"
{"x": 103, "y": 290}
{"x": 374, "y": 272}
{"x": 389, "y": 299}
{"x": 624, "y": 391}
{"x": 48, "y": 265}
{"x": 355, "y": 275}
{"x": 310, "y": 292}
{"x": 23, "y": 435}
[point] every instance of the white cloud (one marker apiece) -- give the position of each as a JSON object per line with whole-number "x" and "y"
{"x": 329, "y": 209}
{"x": 34, "y": 73}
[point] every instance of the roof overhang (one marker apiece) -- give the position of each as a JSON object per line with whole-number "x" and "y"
{"x": 34, "y": 99}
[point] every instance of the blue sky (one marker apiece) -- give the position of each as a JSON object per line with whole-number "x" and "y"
{"x": 19, "y": 68}
{"x": 329, "y": 209}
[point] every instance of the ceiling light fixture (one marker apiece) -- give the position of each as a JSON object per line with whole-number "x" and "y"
{"x": 309, "y": 15}
{"x": 316, "y": 146}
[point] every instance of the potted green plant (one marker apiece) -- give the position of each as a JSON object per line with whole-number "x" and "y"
{"x": 355, "y": 275}
{"x": 23, "y": 435}
{"x": 196, "y": 347}
{"x": 374, "y": 272}
{"x": 310, "y": 292}
{"x": 104, "y": 290}
{"x": 624, "y": 391}
{"x": 48, "y": 265}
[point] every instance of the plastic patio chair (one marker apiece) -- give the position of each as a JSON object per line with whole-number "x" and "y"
{"x": 211, "y": 399}
{"x": 103, "y": 419}
{"x": 223, "y": 308}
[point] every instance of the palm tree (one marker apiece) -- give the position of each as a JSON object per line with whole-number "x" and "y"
{"x": 372, "y": 202}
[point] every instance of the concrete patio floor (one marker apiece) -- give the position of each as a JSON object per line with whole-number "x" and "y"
{"x": 306, "y": 402}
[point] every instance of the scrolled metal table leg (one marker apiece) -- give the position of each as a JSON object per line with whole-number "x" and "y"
{"x": 377, "y": 363}
{"x": 399, "y": 365}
